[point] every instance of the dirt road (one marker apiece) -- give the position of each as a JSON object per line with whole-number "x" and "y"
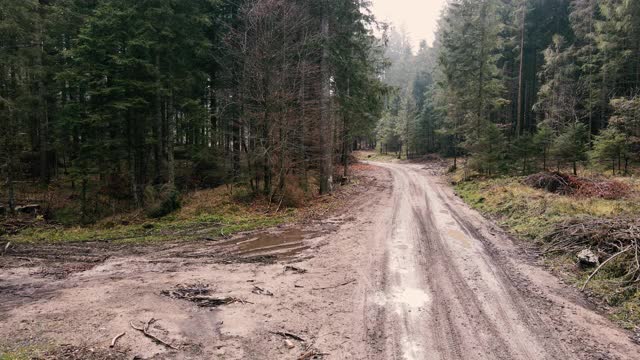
{"x": 457, "y": 289}
{"x": 407, "y": 272}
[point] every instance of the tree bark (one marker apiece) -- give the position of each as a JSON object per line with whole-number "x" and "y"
{"x": 42, "y": 97}
{"x": 326, "y": 136}
{"x": 519, "y": 119}
{"x": 159, "y": 146}
{"x": 10, "y": 187}
{"x": 171, "y": 141}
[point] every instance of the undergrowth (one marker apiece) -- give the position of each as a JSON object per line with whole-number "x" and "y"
{"x": 532, "y": 214}
{"x": 203, "y": 214}
{"x": 376, "y": 155}
{"x": 20, "y": 353}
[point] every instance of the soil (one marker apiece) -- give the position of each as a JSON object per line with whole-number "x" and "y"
{"x": 406, "y": 271}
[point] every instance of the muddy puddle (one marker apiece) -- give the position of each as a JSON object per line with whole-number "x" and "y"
{"x": 460, "y": 236}
{"x": 281, "y": 244}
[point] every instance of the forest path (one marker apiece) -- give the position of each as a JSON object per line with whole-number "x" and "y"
{"x": 406, "y": 271}
{"x": 457, "y": 288}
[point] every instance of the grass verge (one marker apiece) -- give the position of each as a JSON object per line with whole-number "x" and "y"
{"x": 205, "y": 214}
{"x": 531, "y": 213}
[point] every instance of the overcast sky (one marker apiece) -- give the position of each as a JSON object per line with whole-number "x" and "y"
{"x": 418, "y": 16}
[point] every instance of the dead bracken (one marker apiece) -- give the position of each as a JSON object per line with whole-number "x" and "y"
{"x": 563, "y": 184}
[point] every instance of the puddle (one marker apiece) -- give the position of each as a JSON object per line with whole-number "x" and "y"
{"x": 460, "y": 236}
{"x": 282, "y": 244}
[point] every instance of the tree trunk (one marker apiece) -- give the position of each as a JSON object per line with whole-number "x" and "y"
{"x": 483, "y": 16}
{"x": 519, "y": 120}
{"x": 83, "y": 200}
{"x": 43, "y": 120}
{"x": 10, "y": 187}
{"x": 159, "y": 121}
{"x": 326, "y": 136}
{"x": 171, "y": 141}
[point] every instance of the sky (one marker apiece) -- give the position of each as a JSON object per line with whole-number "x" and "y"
{"x": 419, "y": 17}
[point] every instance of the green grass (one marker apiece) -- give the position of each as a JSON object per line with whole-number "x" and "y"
{"x": 21, "y": 352}
{"x": 207, "y": 225}
{"x": 208, "y": 214}
{"x": 377, "y": 156}
{"x": 531, "y": 213}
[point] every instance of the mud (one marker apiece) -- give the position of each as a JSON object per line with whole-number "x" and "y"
{"x": 407, "y": 271}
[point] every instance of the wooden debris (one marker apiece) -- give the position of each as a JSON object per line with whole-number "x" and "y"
{"x": 335, "y": 286}
{"x": 603, "y": 264}
{"x": 115, "y": 339}
{"x": 288, "y": 335}
{"x": 260, "y": 291}
{"x": 199, "y": 293}
{"x": 553, "y": 182}
{"x": 311, "y": 353}
{"x": 6, "y": 247}
{"x": 28, "y": 209}
{"x": 296, "y": 270}
{"x": 288, "y": 344}
{"x": 608, "y": 238}
{"x": 564, "y": 184}
{"x": 145, "y": 331}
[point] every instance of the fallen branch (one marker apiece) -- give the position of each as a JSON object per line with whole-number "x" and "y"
{"x": 288, "y": 335}
{"x": 260, "y": 291}
{"x": 113, "y": 342}
{"x": 602, "y": 265}
{"x": 199, "y": 294}
{"x": 295, "y": 269}
{"x": 335, "y": 286}
{"x": 146, "y": 333}
{"x": 309, "y": 354}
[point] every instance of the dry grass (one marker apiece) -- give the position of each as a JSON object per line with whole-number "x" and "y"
{"x": 207, "y": 214}
{"x": 534, "y": 214}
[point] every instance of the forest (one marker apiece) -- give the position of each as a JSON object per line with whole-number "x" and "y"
{"x": 302, "y": 180}
{"x": 131, "y": 105}
{"x": 128, "y": 104}
{"x": 517, "y": 86}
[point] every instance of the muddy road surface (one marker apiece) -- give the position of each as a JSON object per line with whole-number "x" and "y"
{"x": 407, "y": 271}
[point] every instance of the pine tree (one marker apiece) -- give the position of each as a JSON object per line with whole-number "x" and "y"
{"x": 611, "y": 146}
{"x": 571, "y": 146}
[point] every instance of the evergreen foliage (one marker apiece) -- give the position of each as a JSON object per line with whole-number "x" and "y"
{"x": 515, "y": 86}
{"x": 131, "y": 98}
